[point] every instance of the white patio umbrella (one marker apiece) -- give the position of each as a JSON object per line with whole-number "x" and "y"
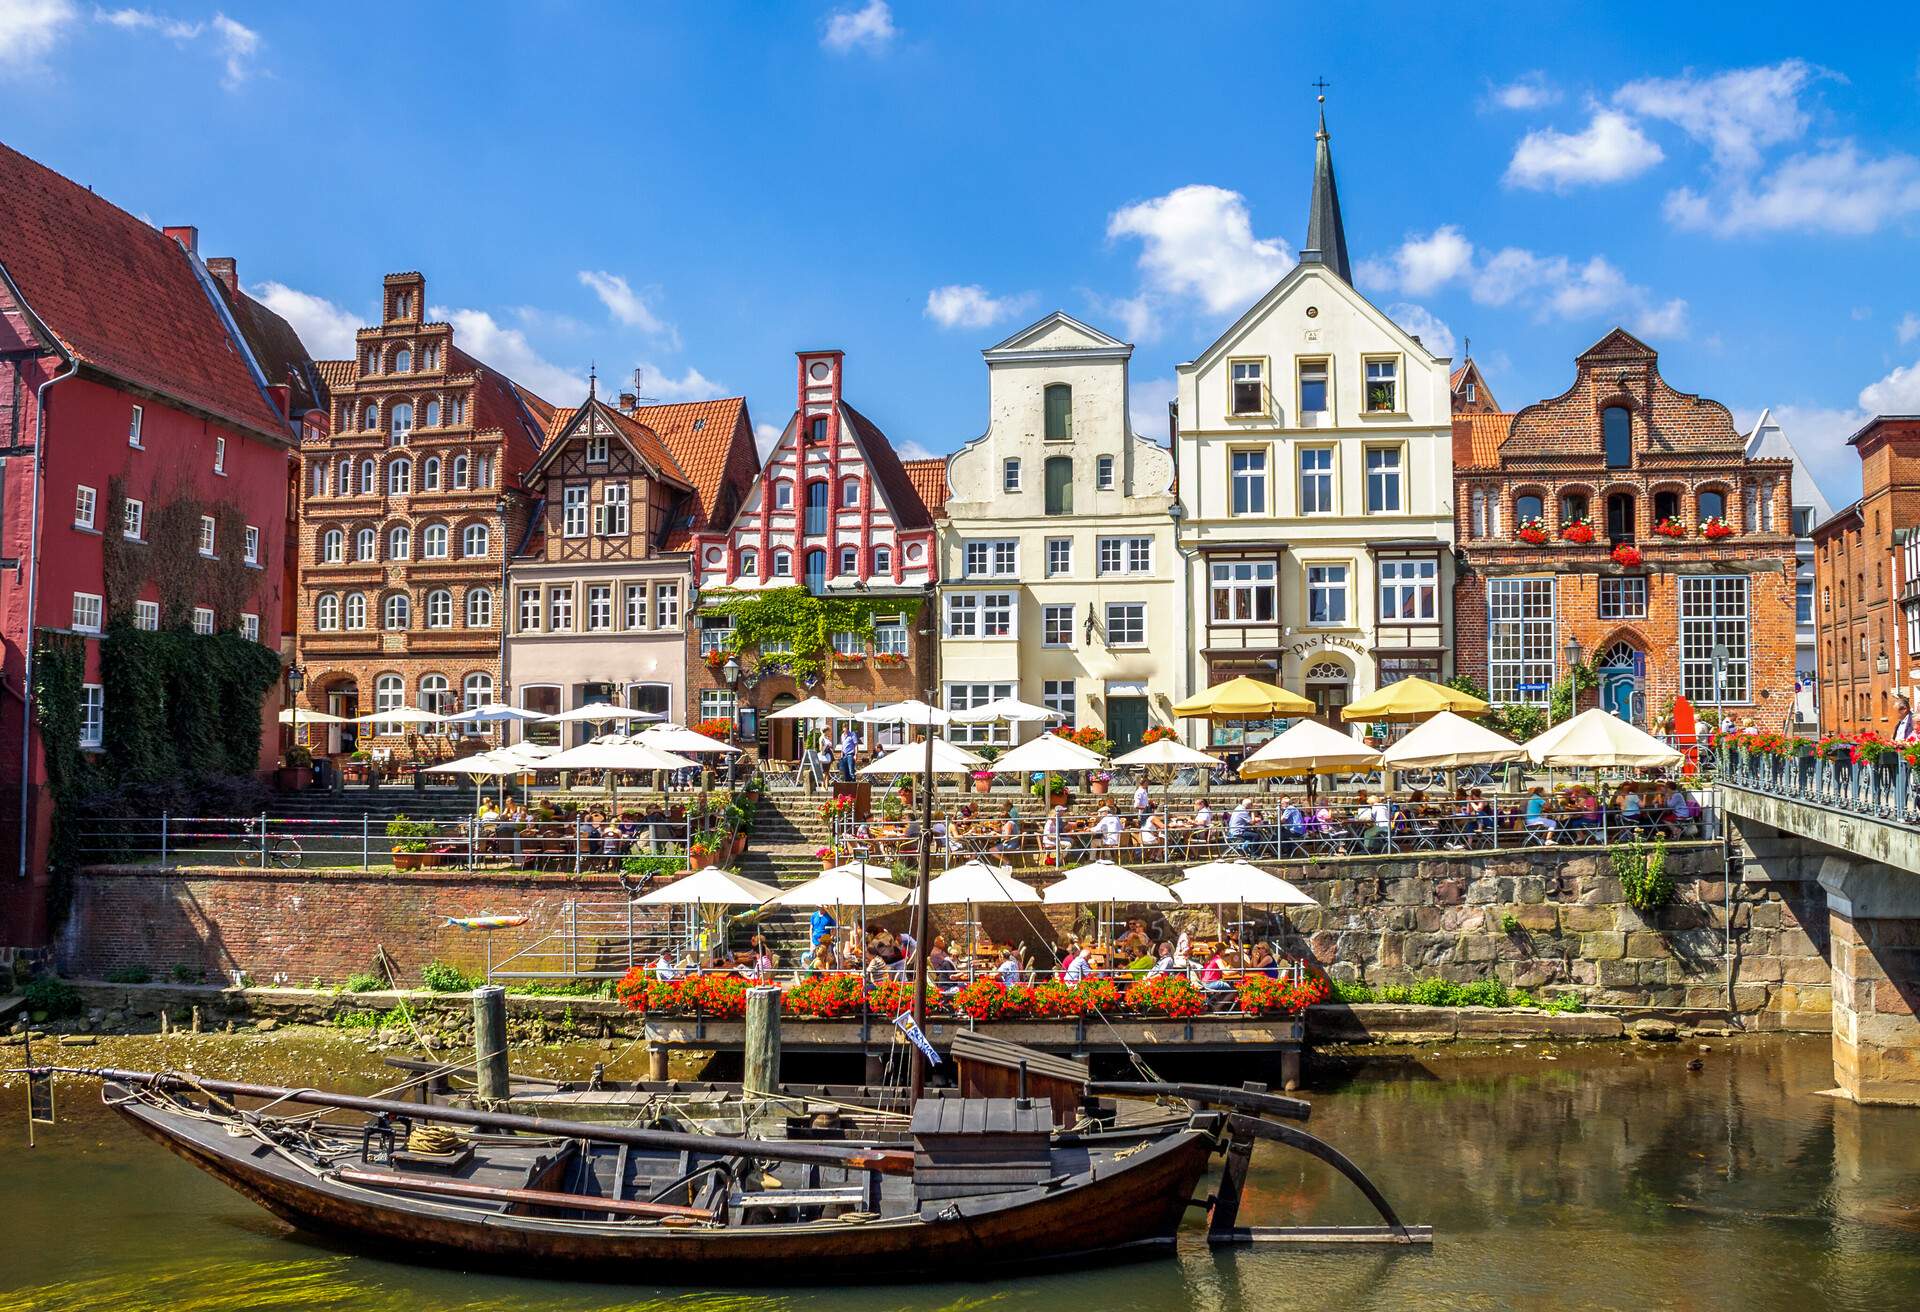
{"x": 402, "y": 715}
{"x": 613, "y": 752}
{"x": 1048, "y": 752}
{"x": 1166, "y": 751}
{"x": 911, "y": 759}
{"x": 813, "y": 708}
{"x": 298, "y": 715}
{"x": 1007, "y": 710}
{"x": 1596, "y": 738}
{"x": 499, "y": 713}
{"x": 598, "y": 713}
{"x": 1309, "y": 747}
{"x": 1103, "y": 881}
{"x": 913, "y": 711}
{"x": 1448, "y": 741}
{"x": 862, "y": 870}
{"x": 527, "y": 752}
{"x": 715, "y": 886}
{"x": 674, "y": 738}
{"x": 1238, "y": 881}
{"x": 841, "y": 888}
{"x": 977, "y": 883}
{"x": 484, "y": 765}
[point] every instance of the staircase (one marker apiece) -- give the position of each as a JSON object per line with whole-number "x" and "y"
{"x": 788, "y": 833}
{"x": 379, "y": 805}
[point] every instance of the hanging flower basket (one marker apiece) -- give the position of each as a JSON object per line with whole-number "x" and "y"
{"x": 1626, "y": 554}
{"x": 1670, "y": 528}
{"x": 1577, "y": 531}
{"x": 1531, "y": 530}
{"x": 715, "y": 659}
{"x": 890, "y": 658}
{"x": 1716, "y": 528}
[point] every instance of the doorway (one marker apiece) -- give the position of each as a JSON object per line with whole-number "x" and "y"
{"x": 1126, "y": 722}
{"x": 783, "y": 741}
{"x": 1622, "y": 672}
{"x": 343, "y": 700}
{"x": 1329, "y": 688}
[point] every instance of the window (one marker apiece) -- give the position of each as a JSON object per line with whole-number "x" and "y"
{"x": 86, "y": 612}
{"x": 560, "y": 610}
{"x": 1616, "y": 434}
{"x": 372, "y": 420}
{"x": 1766, "y": 508}
{"x": 1313, "y": 387}
{"x": 1527, "y": 508}
{"x": 1519, "y": 640}
{"x": 718, "y": 704}
{"x": 529, "y": 610}
{"x": 816, "y": 518}
{"x": 966, "y": 696}
{"x": 635, "y": 608}
{"x": 439, "y": 609}
{"x": 1103, "y": 473}
{"x": 403, "y": 359}
{"x": 356, "y": 610}
{"x": 1620, "y": 517}
{"x": 1803, "y": 601}
{"x": 1059, "y": 475}
{"x": 396, "y": 612}
{"x": 1383, "y": 386}
{"x": 319, "y": 486}
{"x": 883, "y": 560}
{"x": 456, "y": 410}
{"x": 1623, "y": 598}
{"x": 782, "y": 564}
{"x": 1713, "y": 613}
{"x": 816, "y": 572}
{"x": 1126, "y": 624}
{"x": 889, "y": 636}
{"x": 749, "y": 563}
{"x": 849, "y": 493}
{"x": 146, "y": 614}
{"x": 980, "y": 614}
{"x": 365, "y": 544}
{"x": 1383, "y": 479}
{"x": 250, "y": 626}
{"x": 400, "y": 478}
{"x": 1249, "y": 472}
{"x": 1326, "y": 594}
{"x": 389, "y": 694}
{"x": 399, "y": 542}
{"x": 1249, "y": 386}
{"x": 599, "y": 608}
{"x": 1124, "y": 556}
{"x": 326, "y": 612}
{"x": 367, "y": 483}
{"x": 432, "y": 417}
{"x": 612, "y": 513}
{"x": 400, "y": 423}
{"x": 847, "y": 644}
{"x": 1713, "y": 505}
{"x": 1056, "y": 626}
{"x": 573, "y": 512}
{"x": 206, "y": 535}
{"x": 1471, "y": 391}
{"x": 133, "y": 427}
{"x": 83, "y": 505}
{"x": 783, "y": 495}
{"x": 202, "y": 620}
{"x": 1666, "y": 505}
{"x": 1243, "y": 590}
{"x": 596, "y": 450}
{"x": 1408, "y": 588}
{"x": 473, "y": 541}
{"x": 1058, "y": 399}
{"x": 1059, "y": 557}
{"x": 430, "y": 474}
{"x": 460, "y": 475}
{"x": 1477, "y": 515}
{"x": 666, "y": 606}
{"x": 849, "y": 562}
{"x": 433, "y": 542}
{"x": 990, "y": 558}
{"x": 1573, "y": 505}
{"x": 1316, "y": 480}
{"x": 251, "y": 552}
{"x": 476, "y": 692}
{"x": 1010, "y": 474}
{"x": 93, "y": 714}
{"x": 219, "y": 455}
{"x": 1057, "y": 696}
{"x": 1802, "y": 522}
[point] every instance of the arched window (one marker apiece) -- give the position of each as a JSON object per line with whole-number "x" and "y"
{"x": 1526, "y": 508}
{"x": 816, "y": 507}
{"x": 356, "y": 610}
{"x": 783, "y": 494}
{"x": 849, "y": 493}
{"x": 473, "y": 542}
{"x": 1617, "y": 657}
{"x": 319, "y": 480}
{"x": 1620, "y": 516}
{"x": 433, "y": 542}
{"x": 456, "y": 410}
{"x": 1666, "y": 505}
{"x": 435, "y": 694}
{"x": 333, "y": 547}
{"x": 399, "y": 542}
{"x": 749, "y": 564}
{"x": 400, "y": 477}
{"x": 388, "y": 695}
{"x": 1059, "y": 401}
{"x": 883, "y": 560}
{"x": 400, "y": 419}
{"x": 1616, "y": 429}
{"x": 403, "y": 361}
{"x": 439, "y": 609}
{"x": 433, "y": 414}
{"x": 429, "y": 357}
{"x": 849, "y": 561}
{"x": 1713, "y": 505}
{"x": 479, "y": 609}
{"x": 326, "y": 612}
{"x": 783, "y": 564}
{"x": 396, "y": 612}
{"x": 372, "y": 423}
{"x": 816, "y": 571}
{"x": 367, "y": 483}
{"x": 430, "y": 474}
{"x": 482, "y": 472}
{"x": 459, "y": 471}
{"x": 1573, "y": 505}
{"x": 478, "y": 692}
{"x": 366, "y": 544}
{"x": 343, "y": 483}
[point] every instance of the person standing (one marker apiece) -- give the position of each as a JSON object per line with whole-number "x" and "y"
{"x": 1903, "y": 720}
{"x": 849, "y": 746}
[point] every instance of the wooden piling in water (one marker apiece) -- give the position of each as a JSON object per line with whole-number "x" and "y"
{"x": 762, "y": 1074}
{"x": 490, "y": 1042}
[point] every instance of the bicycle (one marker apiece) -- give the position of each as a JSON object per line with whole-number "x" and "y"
{"x": 282, "y": 851}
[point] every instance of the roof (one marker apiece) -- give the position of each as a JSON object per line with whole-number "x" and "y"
{"x": 1326, "y": 233}
{"x": 903, "y": 494}
{"x": 500, "y": 403}
{"x": 1839, "y": 518}
{"x": 1477, "y": 439}
{"x": 336, "y": 374}
{"x": 641, "y": 438}
{"x": 1768, "y": 441}
{"x": 1453, "y": 379}
{"x": 1879, "y": 421}
{"x": 712, "y": 444}
{"x": 929, "y": 479}
{"x": 123, "y": 298}
{"x": 277, "y": 349}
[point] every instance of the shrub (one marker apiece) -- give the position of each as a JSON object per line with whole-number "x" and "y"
{"x": 185, "y": 974}
{"x": 1566, "y": 1002}
{"x": 648, "y": 866}
{"x": 1509, "y": 923}
{"x": 1347, "y": 991}
{"x": 413, "y": 834}
{"x": 440, "y": 977}
{"x": 1434, "y": 993}
{"x": 54, "y": 997}
{"x": 1482, "y": 993}
{"x": 363, "y": 982}
{"x": 128, "y": 975}
{"x": 1642, "y": 872}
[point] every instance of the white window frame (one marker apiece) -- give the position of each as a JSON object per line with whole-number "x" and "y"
{"x": 88, "y": 612}
{"x": 396, "y": 606}
{"x": 467, "y": 541}
{"x": 1059, "y": 557}
{"x": 889, "y": 635}
{"x": 966, "y": 696}
{"x": 433, "y": 542}
{"x": 479, "y": 608}
{"x": 531, "y": 610}
{"x": 1409, "y": 581}
{"x": 86, "y": 503}
{"x": 612, "y": 512}
{"x": 208, "y": 541}
{"x": 249, "y": 626}
{"x": 1325, "y": 486}
{"x": 133, "y": 520}
{"x": 1123, "y": 556}
{"x": 1521, "y": 635}
{"x": 203, "y": 620}
{"x": 597, "y": 449}
{"x": 599, "y": 608}
{"x": 1126, "y": 624}
{"x": 1248, "y": 591}
{"x": 1254, "y": 483}
{"x": 400, "y": 543}
{"x": 1247, "y": 371}
{"x": 250, "y": 553}
{"x": 1058, "y": 696}
{"x": 1391, "y": 475}
{"x": 1389, "y": 371}
{"x": 366, "y": 544}
{"x": 990, "y": 558}
{"x": 353, "y": 611}
{"x": 1103, "y": 473}
{"x": 666, "y": 606}
{"x": 1010, "y": 474}
{"x": 146, "y": 615}
{"x": 560, "y": 610}
{"x": 133, "y": 428}
{"x": 1721, "y": 607}
{"x": 439, "y": 609}
{"x": 1325, "y": 584}
{"x": 573, "y": 510}
{"x": 1624, "y": 598}
{"x": 220, "y": 456}
{"x": 326, "y": 612}
{"x": 1056, "y": 624}
{"x": 93, "y": 716}
{"x": 633, "y": 606}
{"x": 1313, "y": 368}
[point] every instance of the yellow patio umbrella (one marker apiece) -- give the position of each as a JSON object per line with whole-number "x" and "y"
{"x": 1243, "y": 698}
{"x": 1411, "y": 700}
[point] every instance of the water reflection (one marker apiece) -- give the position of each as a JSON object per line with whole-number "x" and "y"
{"x": 1598, "y": 1176}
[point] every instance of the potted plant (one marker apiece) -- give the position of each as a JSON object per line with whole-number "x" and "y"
{"x": 903, "y": 787}
{"x": 296, "y": 769}
{"x": 700, "y": 851}
{"x": 411, "y": 851}
{"x": 828, "y": 857}
{"x": 1577, "y": 531}
{"x": 1715, "y": 528}
{"x": 894, "y": 805}
{"x": 1671, "y": 527}
{"x": 1532, "y": 529}
{"x": 1626, "y": 554}
{"x": 1098, "y": 781}
{"x": 982, "y": 781}
{"x": 715, "y": 658}
{"x": 1053, "y": 788}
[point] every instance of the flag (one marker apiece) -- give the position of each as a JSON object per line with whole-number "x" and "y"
{"x": 904, "y": 1023}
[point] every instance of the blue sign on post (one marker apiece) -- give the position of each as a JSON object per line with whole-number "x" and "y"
{"x": 1532, "y": 687}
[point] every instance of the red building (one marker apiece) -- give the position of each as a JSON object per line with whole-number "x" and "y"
{"x": 126, "y": 387}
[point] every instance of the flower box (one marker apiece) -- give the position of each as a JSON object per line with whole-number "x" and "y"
{"x": 1670, "y": 528}
{"x": 1715, "y": 529}
{"x": 1626, "y": 554}
{"x": 1578, "y": 531}
{"x": 1532, "y": 534}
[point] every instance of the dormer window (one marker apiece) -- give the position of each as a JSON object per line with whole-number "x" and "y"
{"x": 596, "y": 450}
{"x": 1249, "y": 386}
{"x": 1616, "y": 430}
{"x": 1469, "y": 392}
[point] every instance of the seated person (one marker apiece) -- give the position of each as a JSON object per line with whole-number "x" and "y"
{"x": 941, "y": 971}
{"x": 1240, "y": 833}
{"x": 1108, "y": 828}
{"x": 1153, "y": 837}
{"x": 1213, "y": 975}
{"x": 1540, "y": 825}
{"x": 1293, "y": 828}
{"x": 1008, "y": 971}
{"x": 1079, "y": 966}
{"x": 1009, "y": 831}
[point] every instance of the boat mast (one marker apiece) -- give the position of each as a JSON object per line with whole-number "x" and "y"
{"x": 918, "y": 1085}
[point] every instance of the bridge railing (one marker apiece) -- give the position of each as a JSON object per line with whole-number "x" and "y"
{"x": 1886, "y": 790}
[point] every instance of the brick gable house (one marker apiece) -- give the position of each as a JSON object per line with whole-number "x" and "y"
{"x": 409, "y": 505}
{"x": 1866, "y": 580}
{"x": 1625, "y": 461}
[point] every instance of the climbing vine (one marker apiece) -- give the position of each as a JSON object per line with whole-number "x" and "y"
{"x": 59, "y": 669}
{"x": 180, "y": 703}
{"x": 804, "y": 623}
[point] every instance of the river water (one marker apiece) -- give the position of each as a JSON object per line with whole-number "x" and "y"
{"x": 1606, "y": 1175}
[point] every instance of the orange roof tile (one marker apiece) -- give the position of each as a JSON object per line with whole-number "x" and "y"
{"x": 337, "y": 373}
{"x": 712, "y": 443}
{"x": 929, "y": 479}
{"x": 1477, "y": 439}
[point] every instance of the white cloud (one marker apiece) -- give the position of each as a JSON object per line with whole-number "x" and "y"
{"x": 1197, "y": 244}
{"x": 971, "y": 306}
{"x": 870, "y": 28}
{"x": 29, "y": 30}
{"x": 1612, "y": 148}
{"x": 235, "y": 43}
{"x": 238, "y": 46}
{"x": 691, "y": 385}
{"x": 1835, "y": 189}
{"x": 1134, "y": 315}
{"x": 326, "y": 330}
{"x": 1735, "y": 114}
{"x": 1528, "y": 91}
{"x": 765, "y": 436}
{"x": 1420, "y": 322}
{"x": 1666, "y": 320}
{"x": 625, "y": 304}
{"x": 142, "y": 19}
{"x": 912, "y": 449}
{"x": 1896, "y": 394}
{"x": 1908, "y": 328}
{"x": 508, "y": 350}
{"x": 1424, "y": 263}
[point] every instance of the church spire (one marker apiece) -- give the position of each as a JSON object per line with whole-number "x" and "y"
{"x": 1326, "y": 234}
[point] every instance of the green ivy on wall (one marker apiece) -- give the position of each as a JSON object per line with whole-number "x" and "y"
{"x": 802, "y": 621}
{"x": 59, "y": 669}
{"x": 182, "y": 703}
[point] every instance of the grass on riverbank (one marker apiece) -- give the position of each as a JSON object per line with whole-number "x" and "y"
{"x": 1445, "y": 993}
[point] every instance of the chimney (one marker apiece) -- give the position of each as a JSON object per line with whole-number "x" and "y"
{"x": 282, "y": 396}
{"x": 227, "y": 271}
{"x": 187, "y": 237}
{"x": 627, "y": 402}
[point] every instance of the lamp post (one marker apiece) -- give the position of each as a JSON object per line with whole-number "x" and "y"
{"x": 731, "y": 673}
{"x": 1720, "y": 655}
{"x": 1573, "y": 653}
{"x": 296, "y": 680}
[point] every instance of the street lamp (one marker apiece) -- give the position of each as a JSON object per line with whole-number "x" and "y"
{"x": 731, "y": 673}
{"x": 1720, "y": 654}
{"x": 1573, "y": 654}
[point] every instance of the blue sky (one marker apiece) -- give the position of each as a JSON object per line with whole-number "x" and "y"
{"x": 701, "y": 189}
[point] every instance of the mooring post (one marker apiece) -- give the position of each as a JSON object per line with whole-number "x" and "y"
{"x": 762, "y": 1073}
{"x": 490, "y": 1042}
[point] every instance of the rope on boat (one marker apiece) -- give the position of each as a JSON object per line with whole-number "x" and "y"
{"x": 434, "y": 1140}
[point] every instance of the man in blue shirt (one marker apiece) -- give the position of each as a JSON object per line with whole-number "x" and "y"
{"x": 822, "y": 923}
{"x": 849, "y": 744}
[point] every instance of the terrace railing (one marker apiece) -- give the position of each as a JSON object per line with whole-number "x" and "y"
{"x": 1888, "y": 790}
